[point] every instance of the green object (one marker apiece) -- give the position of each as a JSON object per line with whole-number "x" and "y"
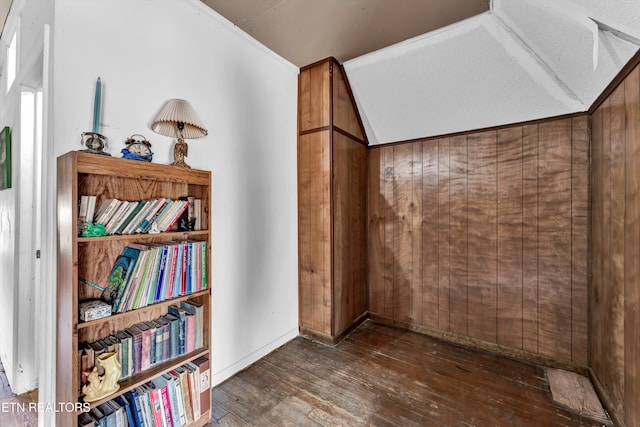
{"x": 93, "y": 230}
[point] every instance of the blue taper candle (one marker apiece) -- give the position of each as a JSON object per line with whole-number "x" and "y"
{"x": 96, "y": 106}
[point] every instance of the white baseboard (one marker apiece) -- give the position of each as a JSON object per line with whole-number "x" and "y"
{"x": 229, "y": 371}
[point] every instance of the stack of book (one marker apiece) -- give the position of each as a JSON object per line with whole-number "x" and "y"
{"x": 147, "y": 344}
{"x": 146, "y": 274}
{"x": 176, "y": 398}
{"x": 139, "y": 216}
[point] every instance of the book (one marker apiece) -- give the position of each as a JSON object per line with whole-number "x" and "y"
{"x": 177, "y": 281}
{"x": 125, "y": 403}
{"x": 132, "y": 396}
{"x": 136, "y": 218}
{"x": 136, "y": 334}
{"x": 173, "y": 219}
{"x": 163, "y": 214}
{"x": 190, "y": 336}
{"x": 198, "y": 214}
{"x": 85, "y": 420}
{"x": 116, "y": 215}
{"x": 122, "y": 225}
{"x": 105, "y": 210}
{"x": 197, "y": 309}
{"x": 174, "y": 335}
{"x": 202, "y": 363}
{"x": 163, "y": 386}
{"x": 91, "y": 208}
{"x": 116, "y": 279}
{"x": 131, "y": 251}
{"x": 126, "y": 353}
{"x": 109, "y": 414}
{"x": 166, "y": 338}
{"x": 161, "y": 290}
{"x": 145, "y": 358}
{"x": 98, "y": 416}
{"x": 193, "y": 375}
{"x": 181, "y": 315}
{"x": 179, "y": 399}
{"x": 156, "y": 406}
{"x": 181, "y": 372}
{"x": 170, "y": 380}
{"x": 140, "y": 297}
{"x": 123, "y": 218}
{"x": 118, "y": 413}
{"x": 82, "y": 214}
{"x": 149, "y": 215}
{"x": 131, "y": 292}
{"x": 204, "y": 265}
{"x": 148, "y": 223}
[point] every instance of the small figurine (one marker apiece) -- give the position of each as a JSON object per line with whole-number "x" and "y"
{"x": 98, "y": 386}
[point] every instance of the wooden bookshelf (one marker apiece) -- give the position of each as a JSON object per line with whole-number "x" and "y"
{"x": 81, "y": 173}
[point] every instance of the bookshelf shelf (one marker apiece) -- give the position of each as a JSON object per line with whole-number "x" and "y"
{"x": 92, "y": 258}
{"x": 173, "y": 235}
{"x": 134, "y": 314}
{"x": 138, "y": 379}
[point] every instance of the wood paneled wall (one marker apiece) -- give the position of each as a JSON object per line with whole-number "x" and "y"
{"x": 332, "y": 184}
{"x": 615, "y": 266}
{"x": 485, "y": 235}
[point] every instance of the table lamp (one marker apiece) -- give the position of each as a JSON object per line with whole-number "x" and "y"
{"x": 178, "y": 119}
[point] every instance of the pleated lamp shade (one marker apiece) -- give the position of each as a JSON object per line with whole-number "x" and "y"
{"x": 177, "y": 111}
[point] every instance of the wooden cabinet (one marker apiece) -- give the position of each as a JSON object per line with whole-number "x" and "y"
{"x": 332, "y": 174}
{"x": 91, "y": 258}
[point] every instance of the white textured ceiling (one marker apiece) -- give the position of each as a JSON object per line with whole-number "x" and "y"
{"x": 523, "y": 60}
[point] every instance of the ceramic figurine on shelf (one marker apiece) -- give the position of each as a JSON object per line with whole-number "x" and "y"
{"x": 99, "y": 387}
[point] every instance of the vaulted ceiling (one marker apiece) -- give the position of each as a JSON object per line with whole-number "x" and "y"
{"x": 421, "y": 68}
{"x": 305, "y": 31}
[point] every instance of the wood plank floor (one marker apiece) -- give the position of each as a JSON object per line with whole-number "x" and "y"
{"x": 383, "y": 376}
{"x": 14, "y": 409}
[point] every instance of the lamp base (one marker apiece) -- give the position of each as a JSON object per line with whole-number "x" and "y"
{"x": 180, "y": 151}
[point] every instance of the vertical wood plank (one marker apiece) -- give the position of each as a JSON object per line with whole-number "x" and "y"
{"x": 554, "y": 221}
{"x": 315, "y": 262}
{"x": 443, "y": 234}
{"x": 344, "y": 111}
{"x": 430, "y": 232}
{"x": 402, "y": 192}
{"x": 458, "y": 193}
{"x": 319, "y": 96}
{"x": 304, "y": 100}
{"x": 482, "y": 236}
{"x": 324, "y": 318}
{"x": 375, "y": 255}
{"x": 389, "y": 226}
{"x": 613, "y": 316}
{"x": 632, "y": 249}
{"x": 349, "y": 229}
{"x": 304, "y": 235}
{"x": 596, "y": 241}
{"x": 579, "y": 239}
{"x": 510, "y": 237}
{"x": 530, "y": 238}
{"x": 415, "y": 315}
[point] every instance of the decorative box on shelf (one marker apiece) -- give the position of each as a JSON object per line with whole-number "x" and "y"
{"x": 93, "y": 309}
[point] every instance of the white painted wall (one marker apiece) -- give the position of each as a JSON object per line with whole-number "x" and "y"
{"x": 18, "y": 286}
{"x": 147, "y": 51}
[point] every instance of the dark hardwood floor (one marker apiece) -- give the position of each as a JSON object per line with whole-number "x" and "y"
{"x": 385, "y": 376}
